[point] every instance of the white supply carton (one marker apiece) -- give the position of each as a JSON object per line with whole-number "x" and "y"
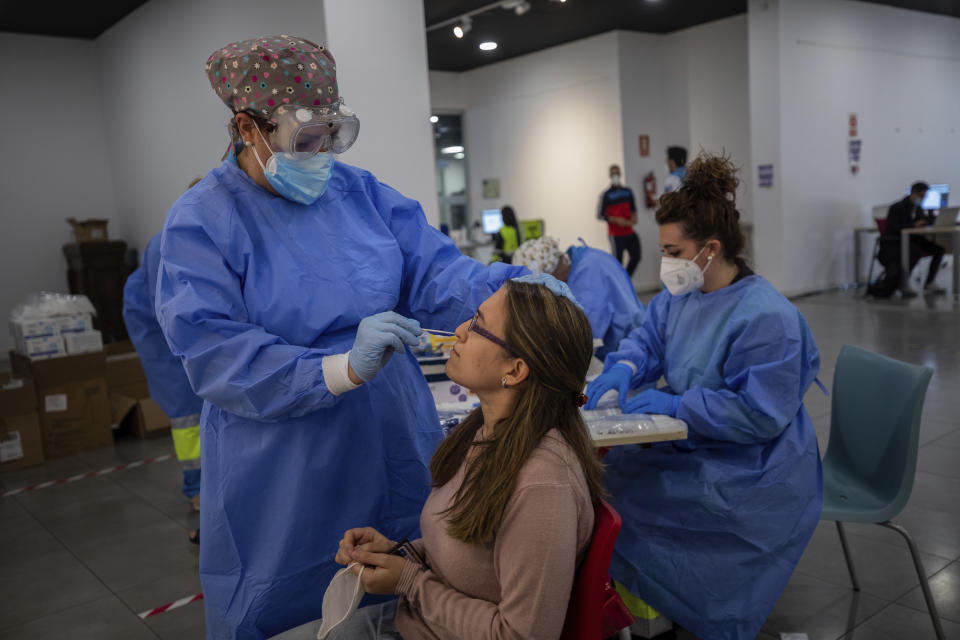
{"x": 74, "y": 323}
{"x": 33, "y": 328}
{"x": 43, "y": 347}
{"x": 83, "y": 342}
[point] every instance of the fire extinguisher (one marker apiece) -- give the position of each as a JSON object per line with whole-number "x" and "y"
{"x": 650, "y": 190}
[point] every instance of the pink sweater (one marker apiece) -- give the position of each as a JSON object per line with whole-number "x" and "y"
{"x": 517, "y": 587}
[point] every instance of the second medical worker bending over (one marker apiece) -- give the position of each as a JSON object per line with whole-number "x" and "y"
{"x": 287, "y": 281}
{"x": 713, "y": 526}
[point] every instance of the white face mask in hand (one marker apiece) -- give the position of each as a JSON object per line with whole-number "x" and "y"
{"x": 682, "y": 276}
{"x": 340, "y": 600}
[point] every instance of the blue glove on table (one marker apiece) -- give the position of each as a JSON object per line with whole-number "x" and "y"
{"x": 616, "y": 377}
{"x": 653, "y": 401}
{"x": 378, "y": 336}
{"x": 558, "y": 287}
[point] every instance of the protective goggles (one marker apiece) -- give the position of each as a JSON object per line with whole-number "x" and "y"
{"x": 304, "y": 132}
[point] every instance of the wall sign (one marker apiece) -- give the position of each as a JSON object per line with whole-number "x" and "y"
{"x": 491, "y": 188}
{"x": 765, "y": 176}
{"x": 644, "y": 146}
{"x": 854, "y": 155}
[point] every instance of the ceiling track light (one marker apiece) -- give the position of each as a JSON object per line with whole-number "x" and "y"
{"x": 519, "y": 7}
{"x": 463, "y": 28}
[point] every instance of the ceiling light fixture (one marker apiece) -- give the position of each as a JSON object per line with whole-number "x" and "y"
{"x": 434, "y": 119}
{"x": 458, "y": 156}
{"x": 462, "y": 29}
{"x": 451, "y": 150}
{"x": 488, "y": 46}
{"x": 519, "y": 7}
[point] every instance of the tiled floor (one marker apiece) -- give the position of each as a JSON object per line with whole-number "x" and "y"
{"x": 81, "y": 560}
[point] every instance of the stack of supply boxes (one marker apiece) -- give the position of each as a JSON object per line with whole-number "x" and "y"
{"x": 47, "y": 328}
{"x": 59, "y": 354}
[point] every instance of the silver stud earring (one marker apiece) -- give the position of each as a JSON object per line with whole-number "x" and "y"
{"x": 248, "y": 143}
{"x": 503, "y": 382}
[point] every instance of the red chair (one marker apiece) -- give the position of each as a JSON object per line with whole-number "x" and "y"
{"x": 595, "y": 610}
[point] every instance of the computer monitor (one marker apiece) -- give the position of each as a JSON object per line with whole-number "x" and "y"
{"x": 492, "y": 220}
{"x": 937, "y": 197}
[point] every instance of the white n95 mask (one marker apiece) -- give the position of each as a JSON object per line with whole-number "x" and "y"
{"x": 340, "y": 600}
{"x": 681, "y": 276}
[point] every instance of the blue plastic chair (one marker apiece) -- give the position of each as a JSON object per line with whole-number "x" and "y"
{"x": 871, "y": 458}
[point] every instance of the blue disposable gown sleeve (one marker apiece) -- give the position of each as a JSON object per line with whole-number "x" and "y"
{"x": 767, "y": 372}
{"x": 441, "y": 287}
{"x": 231, "y": 362}
{"x": 644, "y": 345}
{"x": 168, "y": 383}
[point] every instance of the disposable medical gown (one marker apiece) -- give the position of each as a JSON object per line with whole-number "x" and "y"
{"x": 254, "y": 291}
{"x": 713, "y": 526}
{"x": 168, "y": 383}
{"x": 605, "y": 291}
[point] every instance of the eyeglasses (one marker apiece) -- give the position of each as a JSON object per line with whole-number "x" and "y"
{"x": 473, "y": 326}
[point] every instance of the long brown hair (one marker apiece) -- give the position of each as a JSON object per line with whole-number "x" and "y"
{"x": 705, "y": 205}
{"x": 553, "y": 337}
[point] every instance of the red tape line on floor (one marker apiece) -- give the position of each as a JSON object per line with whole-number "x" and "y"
{"x": 89, "y": 474}
{"x": 182, "y": 602}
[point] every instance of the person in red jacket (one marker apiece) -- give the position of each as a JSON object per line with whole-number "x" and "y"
{"x": 619, "y": 210}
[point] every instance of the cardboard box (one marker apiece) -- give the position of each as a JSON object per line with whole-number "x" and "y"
{"x": 21, "y": 444}
{"x": 83, "y": 342}
{"x": 72, "y": 400}
{"x": 123, "y": 368}
{"x": 130, "y": 403}
{"x": 92, "y": 230}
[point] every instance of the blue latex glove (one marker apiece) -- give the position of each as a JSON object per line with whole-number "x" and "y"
{"x": 616, "y": 377}
{"x": 378, "y": 336}
{"x": 558, "y": 287}
{"x": 576, "y": 251}
{"x": 653, "y": 401}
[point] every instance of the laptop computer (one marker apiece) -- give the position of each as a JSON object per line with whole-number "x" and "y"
{"x": 947, "y": 217}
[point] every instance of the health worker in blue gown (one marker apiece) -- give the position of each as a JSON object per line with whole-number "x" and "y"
{"x": 290, "y": 285}
{"x": 599, "y": 281}
{"x": 713, "y": 526}
{"x": 169, "y": 386}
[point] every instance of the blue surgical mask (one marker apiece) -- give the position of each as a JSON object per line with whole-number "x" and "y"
{"x": 302, "y": 181}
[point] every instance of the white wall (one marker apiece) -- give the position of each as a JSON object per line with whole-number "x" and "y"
{"x": 165, "y": 124}
{"x": 381, "y": 51}
{"x": 446, "y": 91}
{"x": 54, "y": 163}
{"x": 547, "y": 125}
{"x": 765, "y": 78}
{"x": 897, "y": 69}
{"x": 719, "y": 95}
{"x": 653, "y": 103}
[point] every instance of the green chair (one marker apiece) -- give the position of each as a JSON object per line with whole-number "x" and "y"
{"x": 871, "y": 458}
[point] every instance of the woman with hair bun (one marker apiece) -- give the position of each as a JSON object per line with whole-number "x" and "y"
{"x": 713, "y": 526}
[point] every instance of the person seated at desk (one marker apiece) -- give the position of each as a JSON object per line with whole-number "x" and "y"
{"x": 507, "y": 239}
{"x": 514, "y": 485}
{"x": 905, "y": 214}
{"x": 600, "y": 283}
{"x": 713, "y": 526}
